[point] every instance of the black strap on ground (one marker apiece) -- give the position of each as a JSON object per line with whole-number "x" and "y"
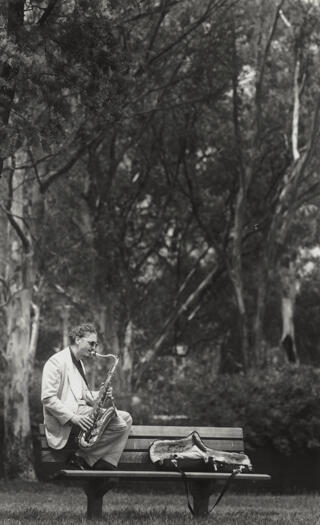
{"x": 187, "y": 490}
{"x": 224, "y": 489}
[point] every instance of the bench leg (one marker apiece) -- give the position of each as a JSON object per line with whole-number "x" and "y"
{"x": 201, "y": 491}
{"x": 95, "y": 490}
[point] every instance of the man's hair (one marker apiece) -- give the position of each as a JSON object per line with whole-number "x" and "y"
{"x": 80, "y": 330}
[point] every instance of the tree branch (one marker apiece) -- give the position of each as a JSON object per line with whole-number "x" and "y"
{"x": 7, "y": 210}
{"x": 260, "y": 76}
{"x": 156, "y": 346}
{"x": 47, "y": 12}
{"x": 190, "y": 30}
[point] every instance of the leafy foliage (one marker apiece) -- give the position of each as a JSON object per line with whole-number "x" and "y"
{"x": 278, "y": 408}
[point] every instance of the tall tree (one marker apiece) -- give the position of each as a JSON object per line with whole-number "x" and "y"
{"x": 48, "y": 121}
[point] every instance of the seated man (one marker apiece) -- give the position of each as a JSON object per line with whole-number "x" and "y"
{"x": 67, "y": 404}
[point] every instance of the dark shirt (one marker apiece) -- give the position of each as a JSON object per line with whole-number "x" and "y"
{"x": 79, "y": 367}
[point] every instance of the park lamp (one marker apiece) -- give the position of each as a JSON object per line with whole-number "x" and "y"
{"x": 181, "y": 350}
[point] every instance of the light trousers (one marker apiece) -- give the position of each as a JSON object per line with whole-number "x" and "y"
{"x": 112, "y": 442}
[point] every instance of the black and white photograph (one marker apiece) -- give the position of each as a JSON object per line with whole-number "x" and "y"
{"x": 160, "y": 262}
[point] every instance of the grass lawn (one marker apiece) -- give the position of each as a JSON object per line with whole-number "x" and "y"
{"x": 36, "y": 503}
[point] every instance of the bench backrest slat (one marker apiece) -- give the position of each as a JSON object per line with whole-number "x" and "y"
{"x": 164, "y": 432}
{"x": 135, "y": 455}
{"x": 137, "y": 444}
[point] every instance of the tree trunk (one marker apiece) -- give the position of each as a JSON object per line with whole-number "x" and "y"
{"x": 236, "y": 272}
{"x": 65, "y": 317}
{"x": 17, "y": 430}
{"x": 126, "y": 366}
{"x": 122, "y": 378}
{"x": 34, "y": 335}
{"x": 246, "y": 174}
{"x": 110, "y": 333}
{"x": 108, "y": 329}
{"x": 21, "y": 339}
{"x": 259, "y": 344}
{"x": 290, "y": 288}
{"x": 243, "y": 323}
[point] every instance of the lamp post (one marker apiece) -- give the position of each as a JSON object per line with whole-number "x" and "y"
{"x": 181, "y": 353}
{"x": 181, "y": 350}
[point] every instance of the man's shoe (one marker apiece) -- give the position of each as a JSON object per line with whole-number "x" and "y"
{"x": 77, "y": 463}
{"x": 101, "y": 464}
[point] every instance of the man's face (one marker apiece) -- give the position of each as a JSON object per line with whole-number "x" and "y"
{"x": 86, "y": 343}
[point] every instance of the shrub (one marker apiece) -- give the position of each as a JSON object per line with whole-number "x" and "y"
{"x": 277, "y": 408}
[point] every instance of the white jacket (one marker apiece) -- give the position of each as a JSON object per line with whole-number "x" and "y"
{"x": 62, "y": 392}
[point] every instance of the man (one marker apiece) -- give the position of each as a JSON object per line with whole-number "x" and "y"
{"x": 67, "y": 404}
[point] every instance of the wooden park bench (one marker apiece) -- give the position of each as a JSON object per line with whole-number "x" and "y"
{"x": 136, "y": 465}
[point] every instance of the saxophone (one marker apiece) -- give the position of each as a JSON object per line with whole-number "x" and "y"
{"x": 100, "y": 416}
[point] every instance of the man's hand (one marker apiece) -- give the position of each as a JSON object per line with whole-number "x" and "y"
{"x": 109, "y": 392}
{"x": 84, "y": 422}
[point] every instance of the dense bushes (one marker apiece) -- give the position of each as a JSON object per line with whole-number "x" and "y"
{"x": 279, "y": 409}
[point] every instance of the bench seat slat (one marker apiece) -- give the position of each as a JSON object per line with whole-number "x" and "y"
{"x": 160, "y": 475}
